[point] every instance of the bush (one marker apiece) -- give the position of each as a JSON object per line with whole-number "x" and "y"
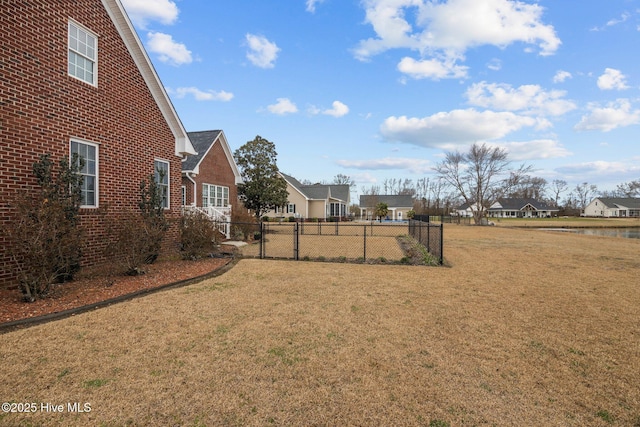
{"x": 137, "y": 237}
{"x": 198, "y": 235}
{"x": 43, "y": 232}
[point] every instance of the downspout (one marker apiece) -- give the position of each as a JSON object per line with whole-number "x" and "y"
{"x": 194, "y": 189}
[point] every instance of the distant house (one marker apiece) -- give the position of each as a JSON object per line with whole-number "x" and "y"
{"x": 467, "y": 210}
{"x": 398, "y": 206}
{"x": 309, "y": 201}
{"x": 610, "y": 207}
{"x": 520, "y": 208}
{"x": 77, "y": 80}
{"x": 210, "y": 178}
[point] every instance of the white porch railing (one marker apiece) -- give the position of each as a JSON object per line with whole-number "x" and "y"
{"x": 221, "y": 216}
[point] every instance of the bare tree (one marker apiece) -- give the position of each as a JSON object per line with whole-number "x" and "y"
{"x": 629, "y": 189}
{"x": 342, "y": 179}
{"x": 584, "y": 193}
{"x": 558, "y": 186}
{"x": 475, "y": 175}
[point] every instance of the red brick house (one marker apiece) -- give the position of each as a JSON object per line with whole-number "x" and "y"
{"x": 210, "y": 178}
{"x": 75, "y": 78}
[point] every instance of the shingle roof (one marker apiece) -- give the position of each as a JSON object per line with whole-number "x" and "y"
{"x": 201, "y": 141}
{"x": 519, "y": 203}
{"x": 393, "y": 201}
{"x": 627, "y": 202}
{"x": 319, "y": 191}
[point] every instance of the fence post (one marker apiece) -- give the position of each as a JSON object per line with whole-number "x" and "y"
{"x": 428, "y": 238}
{"x": 441, "y": 244}
{"x": 262, "y": 239}
{"x": 296, "y": 242}
{"x": 364, "y": 252}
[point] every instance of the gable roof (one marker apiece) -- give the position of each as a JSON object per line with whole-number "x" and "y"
{"x": 618, "y": 202}
{"x": 203, "y": 142}
{"x": 392, "y": 201}
{"x": 319, "y": 191}
{"x": 514, "y": 203}
{"x": 116, "y": 12}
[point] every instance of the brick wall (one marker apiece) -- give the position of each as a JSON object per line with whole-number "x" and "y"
{"x": 42, "y": 108}
{"x": 215, "y": 169}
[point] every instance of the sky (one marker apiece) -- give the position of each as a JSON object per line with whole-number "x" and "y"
{"x": 382, "y": 89}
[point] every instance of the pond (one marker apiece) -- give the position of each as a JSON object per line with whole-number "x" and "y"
{"x": 628, "y": 233}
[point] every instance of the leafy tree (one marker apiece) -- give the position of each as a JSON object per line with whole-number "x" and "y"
{"x": 475, "y": 175}
{"x": 263, "y": 189}
{"x": 382, "y": 209}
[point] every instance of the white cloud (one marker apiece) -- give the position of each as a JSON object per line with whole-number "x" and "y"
{"x": 614, "y": 115}
{"x": 282, "y": 107}
{"x": 311, "y": 5}
{"x": 613, "y": 22}
{"x": 612, "y": 79}
{"x": 529, "y": 99}
{"x": 200, "y": 95}
{"x": 142, "y": 12}
{"x": 167, "y": 49}
{"x": 447, "y": 130}
{"x": 431, "y": 69}
{"x": 561, "y": 76}
{"x": 262, "y": 53}
{"x": 419, "y": 166}
{"x": 495, "y": 64}
{"x": 448, "y": 29}
{"x": 535, "y": 150}
{"x": 338, "y": 110}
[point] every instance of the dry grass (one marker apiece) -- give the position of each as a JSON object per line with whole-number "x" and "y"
{"x": 524, "y": 328}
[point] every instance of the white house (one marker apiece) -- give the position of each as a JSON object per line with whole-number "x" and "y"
{"x": 612, "y": 207}
{"x": 520, "y": 208}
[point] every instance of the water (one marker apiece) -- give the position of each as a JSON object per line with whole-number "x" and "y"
{"x": 627, "y": 233}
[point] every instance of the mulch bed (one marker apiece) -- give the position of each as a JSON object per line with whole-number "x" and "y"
{"x": 92, "y": 287}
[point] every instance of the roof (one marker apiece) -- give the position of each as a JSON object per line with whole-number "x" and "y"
{"x": 519, "y": 204}
{"x": 618, "y": 202}
{"x": 392, "y": 201}
{"x": 130, "y": 38}
{"x": 319, "y": 191}
{"x": 203, "y": 142}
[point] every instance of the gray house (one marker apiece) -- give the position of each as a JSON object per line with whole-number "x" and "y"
{"x": 520, "y": 208}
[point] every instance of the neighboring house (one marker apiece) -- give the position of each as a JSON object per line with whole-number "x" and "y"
{"x": 520, "y": 208}
{"x": 398, "y": 206}
{"x": 75, "y": 78}
{"x": 210, "y": 178}
{"x": 315, "y": 201}
{"x": 467, "y": 210}
{"x": 610, "y": 207}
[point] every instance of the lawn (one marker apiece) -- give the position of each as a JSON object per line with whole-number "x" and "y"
{"x": 524, "y": 327}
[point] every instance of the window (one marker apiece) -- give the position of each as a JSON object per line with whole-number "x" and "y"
{"x": 89, "y": 171}
{"x": 161, "y": 176}
{"x": 291, "y": 208}
{"x": 215, "y": 196}
{"x": 83, "y": 54}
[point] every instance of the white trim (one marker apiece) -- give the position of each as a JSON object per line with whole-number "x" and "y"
{"x": 70, "y": 22}
{"x": 114, "y": 8}
{"x": 97, "y": 174}
{"x": 168, "y": 179}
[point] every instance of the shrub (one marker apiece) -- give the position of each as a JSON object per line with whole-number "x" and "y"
{"x": 198, "y": 235}
{"x": 244, "y": 224}
{"x": 43, "y": 232}
{"x": 137, "y": 237}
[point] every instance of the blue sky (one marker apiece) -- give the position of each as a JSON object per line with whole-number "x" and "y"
{"x": 380, "y": 89}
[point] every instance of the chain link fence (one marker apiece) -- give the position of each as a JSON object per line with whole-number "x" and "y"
{"x": 346, "y": 242}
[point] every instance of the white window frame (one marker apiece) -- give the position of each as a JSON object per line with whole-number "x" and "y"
{"x": 166, "y": 195}
{"x": 84, "y": 51}
{"x": 85, "y": 171}
{"x": 220, "y": 197}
